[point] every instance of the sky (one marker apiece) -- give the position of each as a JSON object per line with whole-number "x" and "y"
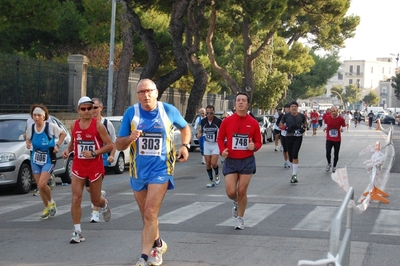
{"x": 377, "y": 34}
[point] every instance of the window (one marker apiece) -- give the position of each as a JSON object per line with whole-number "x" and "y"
{"x": 358, "y": 83}
{"x": 358, "y": 70}
{"x": 350, "y": 81}
{"x": 340, "y": 76}
{"x": 351, "y": 69}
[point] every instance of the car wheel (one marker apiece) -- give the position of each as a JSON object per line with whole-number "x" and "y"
{"x": 120, "y": 165}
{"x": 66, "y": 177}
{"x": 24, "y": 182}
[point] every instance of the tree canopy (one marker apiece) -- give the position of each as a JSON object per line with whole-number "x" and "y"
{"x": 197, "y": 45}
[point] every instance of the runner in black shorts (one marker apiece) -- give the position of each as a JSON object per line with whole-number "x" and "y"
{"x": 295, "y": 124}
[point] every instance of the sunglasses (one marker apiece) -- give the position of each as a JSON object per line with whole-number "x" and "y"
{"x": 210, "y": 113}
{"x": 83, "y": 109}
{"x": 96, "y": 107}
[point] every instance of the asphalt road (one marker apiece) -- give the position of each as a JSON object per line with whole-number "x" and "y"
{"x": 284, "y": 222}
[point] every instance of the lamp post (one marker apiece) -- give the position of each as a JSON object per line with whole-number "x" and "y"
{"x": 111, "y": 62}
{"x": 340, "y": 96}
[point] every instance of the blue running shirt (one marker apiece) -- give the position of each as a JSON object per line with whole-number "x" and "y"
{"x": 153, "y": 154}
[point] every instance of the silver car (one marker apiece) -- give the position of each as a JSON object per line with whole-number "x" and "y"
{"x": 15, "y": 167}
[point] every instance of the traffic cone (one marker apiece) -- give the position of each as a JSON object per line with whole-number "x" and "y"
{"x": 378, "y": 124}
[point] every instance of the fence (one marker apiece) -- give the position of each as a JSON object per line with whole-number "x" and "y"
{"x": 24, "y": 81}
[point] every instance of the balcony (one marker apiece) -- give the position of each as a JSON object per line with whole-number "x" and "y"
{"x": 383, "y": 94}
{"x": 354, "y": 74}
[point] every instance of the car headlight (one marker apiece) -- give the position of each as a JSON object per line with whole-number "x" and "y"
{"x": 7, "y": 157}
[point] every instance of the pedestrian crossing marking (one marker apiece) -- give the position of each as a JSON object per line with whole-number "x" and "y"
{"x": 255, "y": 214}
{"x": 319, "y": 219}
{"x": 187, "y": 212}
{"x": 60, "y": 211}
{"x": 16, "y": 206}
{"x": 387, "y": 223}
{"x": 122, "y": 210}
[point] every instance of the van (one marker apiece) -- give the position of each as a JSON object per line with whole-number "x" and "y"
{"x": 374, "y": 109}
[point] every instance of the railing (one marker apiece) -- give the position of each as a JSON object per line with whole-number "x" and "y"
{"x": 339, "y": 250}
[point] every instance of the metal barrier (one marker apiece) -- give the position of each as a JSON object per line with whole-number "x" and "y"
{"x": 341, "y": 249}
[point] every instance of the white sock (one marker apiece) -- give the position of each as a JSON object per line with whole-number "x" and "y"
{"x": 77, "y": 227}
{"x": 294, "y": 168}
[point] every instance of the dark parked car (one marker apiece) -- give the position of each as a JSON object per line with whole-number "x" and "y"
{"x": 388, "y": 119}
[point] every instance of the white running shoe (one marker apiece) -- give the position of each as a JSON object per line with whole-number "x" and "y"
{"x": 235, "y": 210}
{"x": 217, "y": 180}
{"x": 141, "y": 262}
{"x": 328, "y": 167}
{"x": 285, "y": 165}
{"x": 211, "y": 184}
{"x": 156, "y": 253}
{"x": 95, "y": 217}
{"x": 333, "y": 169}
{"x": 239, "y": 223}
{"x": 106, "y": 212}
{"x": 77, "y": 237}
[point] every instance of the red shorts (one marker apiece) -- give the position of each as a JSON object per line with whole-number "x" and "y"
{"x": 91, "y": 176}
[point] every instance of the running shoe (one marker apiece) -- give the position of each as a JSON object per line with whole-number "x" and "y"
{"x": 276, "y": 149}
{"x": 333, "y": 169}
{"x": 328, "y": 167}
{"x": 294, "y": 179}
{"x": 285, "y": 165}
{"x": 103, "y": 194}
{"x": 36, "y": 192}
{"x": 203, "y": 161}
{"x": 106, "y": 212}
{"x": 217, "y": 180}
{"x": 52, "y": 181}
{"x": 235, "y": 210}
{"x": 211, "y": 184}
{"x": 239, "y": 223}
{"x": 52, "y": 209}
{"x": 156, "y": 253}
{"x": 95, "y": 217}
{"x": 281, "y": 148}
{"x": 46, "y": 213}
{"x": 77, "y": 237}
{"x": 141, "y": 262}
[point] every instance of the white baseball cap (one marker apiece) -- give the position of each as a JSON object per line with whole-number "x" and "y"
{"x": 85, "y": 99}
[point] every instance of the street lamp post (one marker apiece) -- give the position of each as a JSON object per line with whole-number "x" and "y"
{"x": 111, "y": 62}
{"x": 341, "y": 99}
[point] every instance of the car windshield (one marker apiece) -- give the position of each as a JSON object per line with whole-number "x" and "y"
{"x": 117, "y": 125}
{"x": 260, "y": 119}
{"x": 12, "y": 130}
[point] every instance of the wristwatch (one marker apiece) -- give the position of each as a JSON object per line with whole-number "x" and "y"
{"x": 186, "y": 145}
{"x": 93, "y": 154}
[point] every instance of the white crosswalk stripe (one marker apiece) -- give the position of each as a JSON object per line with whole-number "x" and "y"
{"x": 185, "y": 213}
{"x": 16, "y": 206}
{"x": 319, "y": 219}
{"x": 60, "y": 211}
{"x": 387, "y": 223}
{"x": 255, "y": 214}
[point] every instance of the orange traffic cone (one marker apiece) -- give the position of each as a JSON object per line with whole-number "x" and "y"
{"x": 378, "y": 124}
